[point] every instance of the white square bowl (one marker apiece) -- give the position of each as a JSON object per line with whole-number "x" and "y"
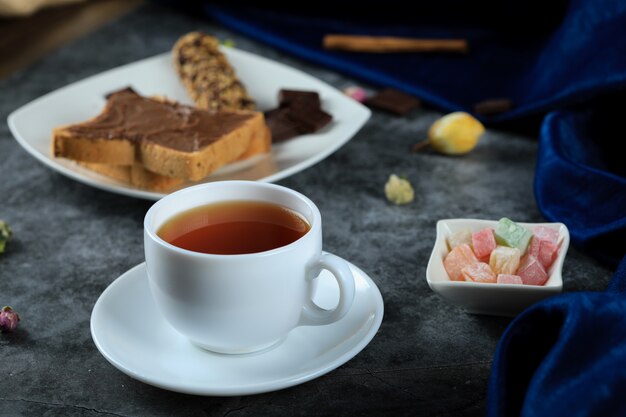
{"x": 485, "y": 298}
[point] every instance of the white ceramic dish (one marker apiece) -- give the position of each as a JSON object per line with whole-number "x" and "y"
{"x": 33, "y": 123}
{"x": 491, "y": 299}
{"x": 131, "y": 334}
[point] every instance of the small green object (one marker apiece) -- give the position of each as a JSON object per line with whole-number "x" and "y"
{"x": 5, "y": 235}
{"x": 229, "y": 43}
{"x": 511, "y": 234}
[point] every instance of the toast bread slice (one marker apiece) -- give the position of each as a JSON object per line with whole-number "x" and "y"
{"x": 167, "y": 138}
{"x": 135, "y": 175}
{"x": 138, "y": 176}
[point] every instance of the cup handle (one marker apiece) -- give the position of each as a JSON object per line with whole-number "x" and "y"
{"x": 314, "y": 315}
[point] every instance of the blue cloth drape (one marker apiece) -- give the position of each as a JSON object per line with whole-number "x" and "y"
{"x": 565, "y": 356}
{"x": 557, "y": 55}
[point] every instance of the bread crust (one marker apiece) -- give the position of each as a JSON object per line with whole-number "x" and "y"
{"x": 138, "y": 176}
{"x": 194, "y": 166}
{"x": 135, "y": 175}
{"x": 103, "y": 151}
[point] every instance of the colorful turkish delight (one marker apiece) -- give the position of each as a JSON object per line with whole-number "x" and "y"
{"x": 532, "y": 271}
{"x": 458, "y": 258}
{"x": 504, "y": 260}
{"x": 548, "y": 252}
{"x": 511, "y": 234}
{"x": 478, "y": 272}
{"x": 543, "y": 245}
{"x": 546, "y": 233}
{"x": 509, "y": 279}
{"x": 508, "y": 254}
{"x": 460, "y": 237}
{"x": 483, "y": 243}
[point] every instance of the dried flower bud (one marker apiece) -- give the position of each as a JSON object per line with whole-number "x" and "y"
{"x": 8, "y": 319}
{"x": 5, "y": 235}
{"x": 399, "y": 190}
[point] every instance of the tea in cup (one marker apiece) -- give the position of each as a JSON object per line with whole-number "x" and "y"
{"x": 232, "y": 265}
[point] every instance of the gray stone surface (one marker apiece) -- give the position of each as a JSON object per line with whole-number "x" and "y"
{"x": 72, "y": 241}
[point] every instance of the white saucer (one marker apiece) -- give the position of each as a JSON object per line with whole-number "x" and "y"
{"x": 133, "y": 336}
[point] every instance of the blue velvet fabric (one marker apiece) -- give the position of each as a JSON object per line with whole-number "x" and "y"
{"x": 539, "y": 65}
{"x": 565, "y": 356}
{"x": 580, "y": 178}
{"x": 553, "y": 56}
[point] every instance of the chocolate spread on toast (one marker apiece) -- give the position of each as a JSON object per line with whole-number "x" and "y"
{"x": 138, "y": 119}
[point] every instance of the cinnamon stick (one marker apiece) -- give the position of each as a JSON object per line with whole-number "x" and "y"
{"x": 493, "y": 106}
{"x": 386, "y": 44}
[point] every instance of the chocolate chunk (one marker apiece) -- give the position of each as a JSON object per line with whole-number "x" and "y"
{"x": 309, "y": 119}
{"x": 393, "y": 101}
{"x": 281, "y": 126}
{"x": 299, "y": 113}
{"x": 300, "y": 98}
{"x": 493, "y": 106}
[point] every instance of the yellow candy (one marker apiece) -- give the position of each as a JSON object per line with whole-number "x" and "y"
{"x": 455, "y": 134}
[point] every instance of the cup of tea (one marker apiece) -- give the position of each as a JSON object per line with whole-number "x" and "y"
{"x": 232, "y": 265}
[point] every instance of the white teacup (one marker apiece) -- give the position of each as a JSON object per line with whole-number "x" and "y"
{"x": 248, "y": 302}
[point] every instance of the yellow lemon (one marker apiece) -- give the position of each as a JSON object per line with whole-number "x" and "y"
{"x": 455, "y": 133}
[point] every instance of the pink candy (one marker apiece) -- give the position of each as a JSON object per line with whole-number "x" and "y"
{"x": 546, "y": 233}
{"x": 534, "y": 246}
{"x": 509, "y": 279}
{"x": 478, "y": 272}
{"x": 532, "y": 271}
{"x": 544, "y": 250}
{"x": 548, "y": 252}
{"x": 458, "y": 258}
{"x": 356, "y": 93}
{"x": 483, "y": 242}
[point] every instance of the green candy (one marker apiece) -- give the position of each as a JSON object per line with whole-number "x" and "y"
{"x": 508, "y": 233}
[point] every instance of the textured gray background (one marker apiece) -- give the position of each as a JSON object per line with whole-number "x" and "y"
{"x": 72, "y": 241}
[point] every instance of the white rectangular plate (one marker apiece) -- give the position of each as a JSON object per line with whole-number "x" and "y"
{"x": 33, "y": 123}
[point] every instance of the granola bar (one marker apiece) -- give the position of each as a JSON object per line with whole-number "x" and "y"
{"x": 207, "y": 75}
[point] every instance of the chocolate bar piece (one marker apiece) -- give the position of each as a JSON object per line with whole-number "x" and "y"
{"x": 493, "y": 106}
{"x": 287, "y": 122}
{"x": 393, "y": 101}
{"x": 281, "y": 126}
{"x": 301, "y": 98}
{"x": 299, "y": 113}
{"x": 309, "y": 120}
